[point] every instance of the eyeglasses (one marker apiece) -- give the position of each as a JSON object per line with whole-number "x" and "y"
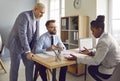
{"x": 52, "y": 27}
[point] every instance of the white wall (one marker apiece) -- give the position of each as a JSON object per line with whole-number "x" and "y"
{"x": 90, "y": 8}
{"x": 102, "y": 9}
{"x": 44, "y": 18}
{"x": 9, "y": 10}
{"x": 87, "y": 7}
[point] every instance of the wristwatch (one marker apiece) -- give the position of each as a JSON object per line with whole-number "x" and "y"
{"x": 76, "y": 4}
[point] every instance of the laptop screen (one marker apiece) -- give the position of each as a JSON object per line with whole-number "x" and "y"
{"x": 85, "y": 42}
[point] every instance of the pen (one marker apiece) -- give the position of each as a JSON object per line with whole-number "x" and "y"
{"x": 85, "y": 48}
{"x": 59, "y": 51}
{"x": 56, "y": 54}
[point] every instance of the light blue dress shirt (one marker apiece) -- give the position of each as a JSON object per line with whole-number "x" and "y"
{"x": 44, "y": 42}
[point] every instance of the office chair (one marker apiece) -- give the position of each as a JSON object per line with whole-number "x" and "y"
{"x": 1, "y": 52}
{"x": 116, "y": 74}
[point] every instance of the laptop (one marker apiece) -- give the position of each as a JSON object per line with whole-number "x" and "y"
{"x": 85, "y": 42}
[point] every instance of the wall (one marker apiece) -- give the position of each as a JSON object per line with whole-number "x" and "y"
{"x": 90, "y": 8}
{"x": 9, "y": 10}
{"x": 44, "y": 18}
{"x": 102, "y": 9}
{"x": 87, "y": 7}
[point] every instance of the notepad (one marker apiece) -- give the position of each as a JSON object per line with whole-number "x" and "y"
{"x": 85, "y": 42}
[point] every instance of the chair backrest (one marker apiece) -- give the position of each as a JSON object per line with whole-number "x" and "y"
{"x": 0, "y": 43}
{"x": 1, "y": 46}
{"x": 116, "y": 74}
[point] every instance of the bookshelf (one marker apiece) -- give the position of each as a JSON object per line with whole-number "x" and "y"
{"x": 72, "y": 29}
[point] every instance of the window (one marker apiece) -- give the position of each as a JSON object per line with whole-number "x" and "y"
{"x": 56, "y": 10}
{"x": 114, "y": 16}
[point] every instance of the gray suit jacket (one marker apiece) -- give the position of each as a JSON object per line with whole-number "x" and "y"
{"x": 22, "y": 33}
{"x": 107, "y": 55}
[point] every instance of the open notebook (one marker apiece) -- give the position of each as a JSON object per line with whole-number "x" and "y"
{"x": 85, "y": 42}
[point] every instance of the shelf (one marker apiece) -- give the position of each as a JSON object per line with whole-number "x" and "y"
{"x": 64, "y": 36}
{"x": 72, "y": 29}
{"x": 73, "y": 44}
{"x": 64, "y": 23}
{"x": 65, "y": 43}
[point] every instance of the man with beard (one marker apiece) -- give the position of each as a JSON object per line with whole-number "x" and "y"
{"x": 47, "y": 42}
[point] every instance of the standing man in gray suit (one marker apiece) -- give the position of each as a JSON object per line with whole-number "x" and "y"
{"x": 22, "y": 40}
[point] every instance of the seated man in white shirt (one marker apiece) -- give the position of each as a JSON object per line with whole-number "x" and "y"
{"x": 45, "y": 43}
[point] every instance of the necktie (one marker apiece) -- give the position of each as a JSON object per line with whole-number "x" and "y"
{"x": 52, "y": 40}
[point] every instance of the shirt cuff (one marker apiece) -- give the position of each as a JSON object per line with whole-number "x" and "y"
{"x": 27, "y": 51}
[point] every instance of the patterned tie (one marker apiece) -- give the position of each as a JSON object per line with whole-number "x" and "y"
{"x": 52, "y": 40}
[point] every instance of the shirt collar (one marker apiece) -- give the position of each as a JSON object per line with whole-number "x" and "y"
{"x": 50, "y": 34}
{"x": 102, "y": 35}
{"x": 34, "y": 17}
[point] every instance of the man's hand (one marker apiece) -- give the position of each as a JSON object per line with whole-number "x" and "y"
{"x": 59, "y": 47}
{"x": 71, "y": 57}
{"x": 53, "y": 47}
{"x": 50, "y": 48}
{"x": 85, "y": 51}
{"x": 29, "y": 55}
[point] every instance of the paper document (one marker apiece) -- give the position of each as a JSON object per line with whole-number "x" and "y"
{"x": 65, "y": 53}
{"x": 43, "y": 55}
{"x": 51, "y": 53}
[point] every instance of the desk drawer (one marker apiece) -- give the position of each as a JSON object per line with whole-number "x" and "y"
{"x": 77, "y": 69}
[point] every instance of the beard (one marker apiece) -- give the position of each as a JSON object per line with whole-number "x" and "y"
{"x": 53, "y": 33}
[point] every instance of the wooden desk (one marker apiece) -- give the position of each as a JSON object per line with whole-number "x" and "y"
{"x": 50, "y": 62}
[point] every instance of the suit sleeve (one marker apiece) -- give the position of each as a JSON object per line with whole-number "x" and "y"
{"x": 101, "y": 51}
{"x": 22, "y": 31}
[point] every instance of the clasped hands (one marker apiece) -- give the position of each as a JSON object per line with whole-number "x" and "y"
{"x": 53, "y": 47}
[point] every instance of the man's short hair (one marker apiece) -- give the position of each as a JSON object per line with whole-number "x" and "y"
{"x": 39, "y": 5}
{"x": 48, "y": 22}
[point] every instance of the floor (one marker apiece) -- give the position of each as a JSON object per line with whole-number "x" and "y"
{"x": 5, "y": 76}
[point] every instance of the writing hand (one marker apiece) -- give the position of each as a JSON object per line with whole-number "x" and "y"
{"x": 59, "y": 47}
{"x": 85, "y": 51}
{"x": 50, "y": 48}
